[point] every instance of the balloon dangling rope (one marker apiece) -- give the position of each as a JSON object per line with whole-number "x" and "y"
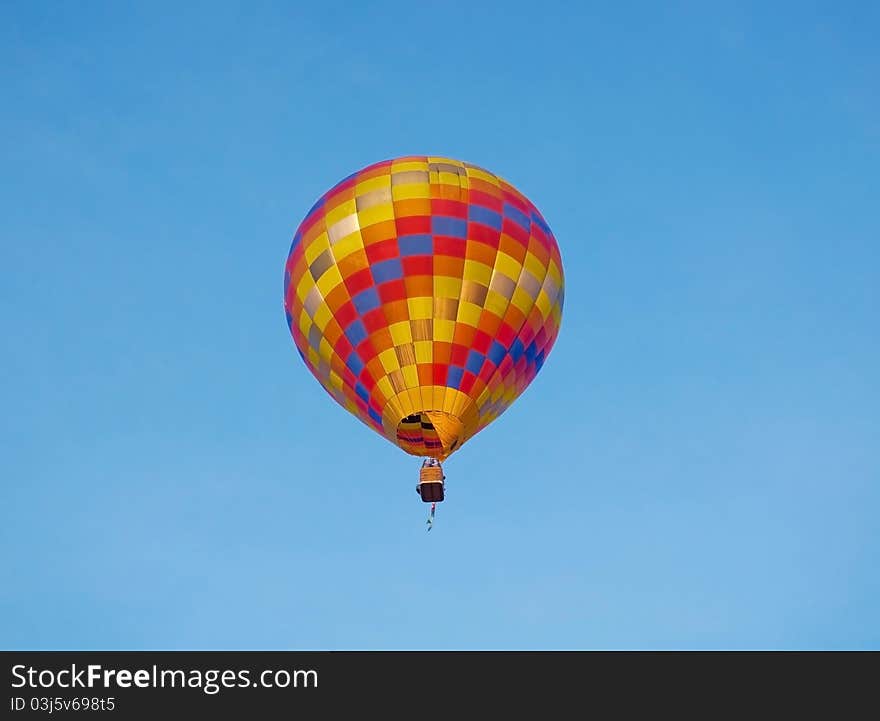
{"x": 431, "y": 517}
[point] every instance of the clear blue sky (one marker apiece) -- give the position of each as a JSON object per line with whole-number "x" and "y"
{"x": 696, "y": 465}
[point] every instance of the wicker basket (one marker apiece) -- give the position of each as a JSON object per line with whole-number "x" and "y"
{"x": 431, "y": 484}
{"x": 430, "y": 474}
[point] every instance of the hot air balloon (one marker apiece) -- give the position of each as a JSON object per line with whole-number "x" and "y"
{"x": 424, "y": 294}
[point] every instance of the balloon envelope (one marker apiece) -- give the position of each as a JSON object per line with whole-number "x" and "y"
{"x": 424, "y": 294}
